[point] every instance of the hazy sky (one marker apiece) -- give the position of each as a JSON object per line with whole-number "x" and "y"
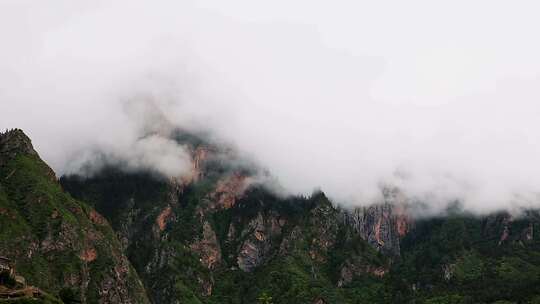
{"x": 440, "y": 98}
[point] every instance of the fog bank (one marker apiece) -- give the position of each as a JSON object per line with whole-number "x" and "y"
{"x": 440, "y": 99}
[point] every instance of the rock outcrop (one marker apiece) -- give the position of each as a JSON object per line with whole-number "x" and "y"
{"x": 229, "y": 190}
{"x": 258, "y": 240}
{"x": 207, "y": 247}
{"x": 382, "y": 225}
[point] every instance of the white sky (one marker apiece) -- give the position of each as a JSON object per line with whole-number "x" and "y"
{"x": 439, "y": 97}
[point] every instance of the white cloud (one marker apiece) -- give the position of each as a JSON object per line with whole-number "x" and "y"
{"x": 339, "y": 95}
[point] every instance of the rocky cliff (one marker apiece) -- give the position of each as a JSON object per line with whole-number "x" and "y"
{"x": 218, "y": 221}
{"x": 382, "y": 225}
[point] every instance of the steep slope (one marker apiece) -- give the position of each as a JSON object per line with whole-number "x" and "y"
{"x": 461, "y": 258}
{"x": 194, "y": 248}
{"x": 57, "y": 243}
{"x": 215, "y": 236}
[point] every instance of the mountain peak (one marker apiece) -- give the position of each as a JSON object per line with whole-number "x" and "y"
{"x": 13, "y": 142}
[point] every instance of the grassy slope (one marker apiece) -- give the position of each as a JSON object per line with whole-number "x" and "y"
{"x": 35, "y": 211}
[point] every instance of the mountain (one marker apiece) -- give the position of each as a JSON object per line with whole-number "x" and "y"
{"x": 57, "y": 243}
{"x": 218, "y": 235}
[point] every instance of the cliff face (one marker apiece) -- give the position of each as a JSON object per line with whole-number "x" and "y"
{"x": 216, "y": 236}
{"x": 382, "y": 225}
{"x": 214, "y": 222}
{"x": 57, "y": 243}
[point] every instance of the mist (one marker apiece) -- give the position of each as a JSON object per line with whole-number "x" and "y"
{"x": 438, "y": 99}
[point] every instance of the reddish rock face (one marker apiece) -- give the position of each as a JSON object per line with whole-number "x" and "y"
{"x": 96, "y": 218}
{"x": 506, "y": 222}
{"x": 208, "y": 248}
{"x": 229, "y": 190}
{"x": 383, "y": 225}
{"x": 353, "y": 267}
{"x": 377, "y": 229}
{"x": 402, "y": 225}
{"x": 198, "y": 157}
{"x": 504, "y": 235}
{"x": 379, "y": 272}
{"x": 509, "y": 233}
{"x": 403, "y": 220}
{"x": 88, "y": 255}
{"x": 162, "y": 218}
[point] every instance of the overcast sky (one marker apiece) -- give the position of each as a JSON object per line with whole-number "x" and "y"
{"x": 438, "y": 97}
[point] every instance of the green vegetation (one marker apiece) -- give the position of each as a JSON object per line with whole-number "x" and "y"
{"x": 44, "y": 299}
{"x": 51, "y": 237}
{"x": 455, "y": 259}
{"x": 304, "y": 251}
{"x": 460, "y": 260}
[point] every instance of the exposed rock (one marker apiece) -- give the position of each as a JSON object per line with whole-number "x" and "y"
{"x": 57, "y": 231}
{"x": 528, "y": 233}
{"x": 163, "y": 217}
{"x": 320, "y": 301}
{"x": 208, "y": 248}
{"x": 229, "y": 190}
{"x": 448, "y": 271}
{"x": 198, "y": 156}
{"x": 231, "y": 234}
{"x": 88, "y": 255}
{"x": 206, "y": 285}
{"x": 403, "y": 220}
{"x": 355, "y": 266}
{"x": 96, "y": 218}
{"x": 324, "y": 222}
{"x": 504, "y": 235}
{"x": 251, "y": 255}
{"x": 13, "y": 142}
{"x": 289, "y": 242}
{"x": 506, "y": 221}
{"x": 256, "y": 248}
{"x": 382, "y": 225}
{"x": 108, "y": 290}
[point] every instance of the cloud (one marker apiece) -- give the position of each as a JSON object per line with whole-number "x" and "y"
{"x": 440, "y": 99}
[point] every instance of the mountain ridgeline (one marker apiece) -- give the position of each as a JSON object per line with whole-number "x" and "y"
{"x": 216, "y": 235}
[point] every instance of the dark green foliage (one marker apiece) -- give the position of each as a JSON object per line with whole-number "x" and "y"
{"x": 7, "y": 280}
{"x": 45, "y": 231}
{"x": 264, "y": 298}
{"x": 113, "y": 191}
{"x": 480, "y": 268}
{"x": 45, "y": 299}
{"x": 70, "y": 295}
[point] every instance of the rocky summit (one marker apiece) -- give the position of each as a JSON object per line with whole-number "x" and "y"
{"x": 218, "y": 235}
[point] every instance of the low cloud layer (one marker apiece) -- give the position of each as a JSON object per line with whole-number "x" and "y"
{"x": 441, "y": 100}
